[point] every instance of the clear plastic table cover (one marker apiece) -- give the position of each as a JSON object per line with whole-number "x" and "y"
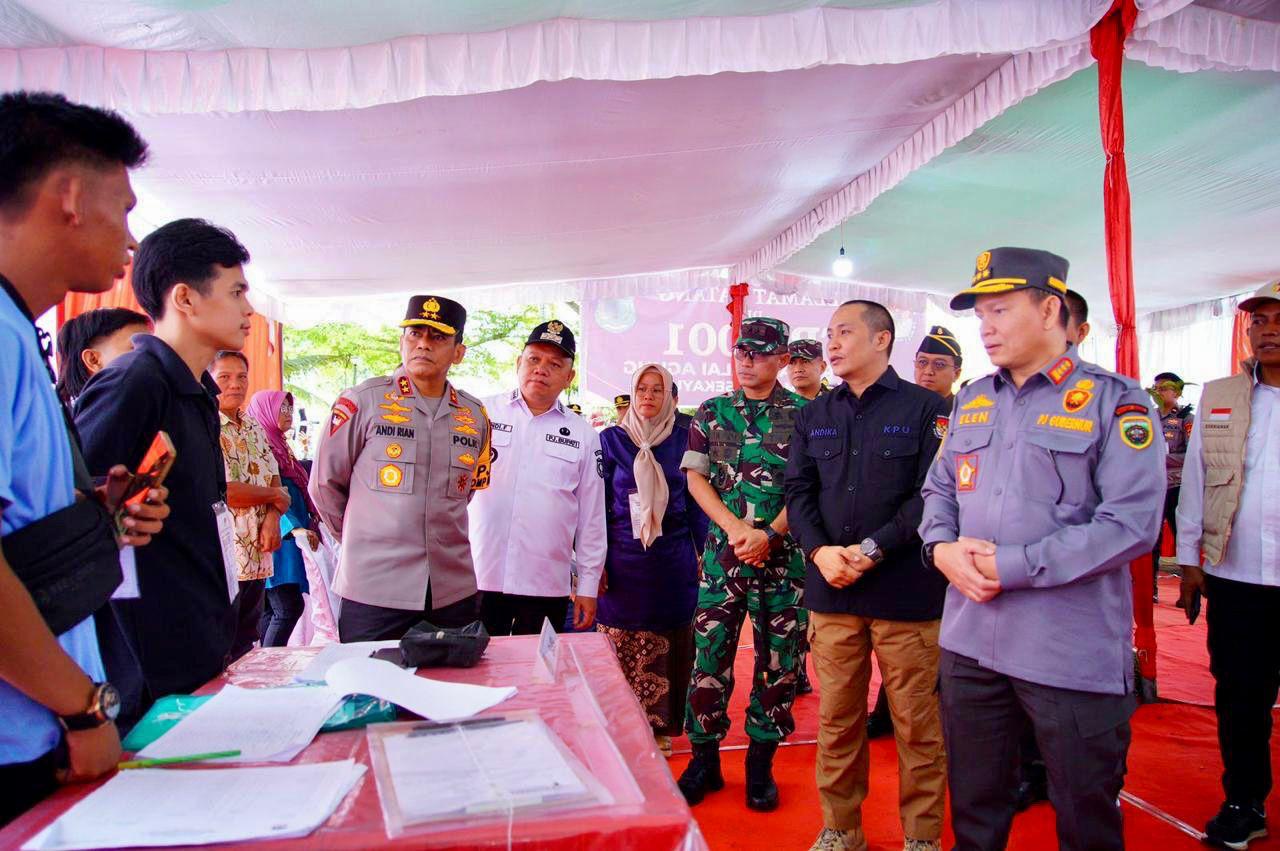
{"x": 589, "y": 706}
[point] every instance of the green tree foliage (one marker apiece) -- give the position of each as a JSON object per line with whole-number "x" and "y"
{"x": 321, "y": 361}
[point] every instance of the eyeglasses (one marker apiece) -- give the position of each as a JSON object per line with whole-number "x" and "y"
{"x": 938, "y": 364}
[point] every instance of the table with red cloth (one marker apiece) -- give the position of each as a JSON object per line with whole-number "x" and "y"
{"x": 587, "y": 723}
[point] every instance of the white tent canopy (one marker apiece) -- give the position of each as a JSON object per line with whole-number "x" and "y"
{"x": 527, "y": 151}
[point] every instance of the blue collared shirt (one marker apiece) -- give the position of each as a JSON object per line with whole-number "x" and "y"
{"x": 35, "y": 481}
{"x": 1066, "y": 476}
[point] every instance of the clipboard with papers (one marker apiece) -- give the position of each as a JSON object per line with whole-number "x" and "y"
{"x": 489, "y": 769}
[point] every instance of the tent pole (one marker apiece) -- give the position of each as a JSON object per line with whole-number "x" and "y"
{"x": 736, "y": 306}
{"x": 1107, "y": 44}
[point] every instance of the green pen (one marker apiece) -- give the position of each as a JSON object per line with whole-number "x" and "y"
{"x": 174, "y": 760}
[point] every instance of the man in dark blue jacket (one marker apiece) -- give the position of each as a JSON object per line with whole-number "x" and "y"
{"x": 858, "y": 459}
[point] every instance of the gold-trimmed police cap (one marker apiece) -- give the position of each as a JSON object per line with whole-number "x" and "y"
{"x": 621, "y": 400}
{"x": 443, "y": 314}
{"x": 939, "y": 341}
{"x": 1003, "y": 270}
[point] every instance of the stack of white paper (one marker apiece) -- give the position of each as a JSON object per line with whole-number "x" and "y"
{"x": 432, "y": 699}
{"x": 479, "y": 769}
{"x": 319, "y": 666}
{"x": 151, "y": 807}
{"x": 264, "y": 724}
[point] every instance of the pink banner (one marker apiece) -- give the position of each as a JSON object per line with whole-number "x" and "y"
{"x": 688, "y": 333}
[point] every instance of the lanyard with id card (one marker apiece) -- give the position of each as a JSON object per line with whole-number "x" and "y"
{"x": 227, "y": 538}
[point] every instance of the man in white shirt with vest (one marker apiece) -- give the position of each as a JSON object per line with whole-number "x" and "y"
{"x": 1227, "y": 509}
{"x": 545, "y": 505}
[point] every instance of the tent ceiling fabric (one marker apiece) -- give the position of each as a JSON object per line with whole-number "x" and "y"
{"x": 225, "y": 78}
{"x": 1204, "y": 201}
{"x": 629, "y": 146}
{"x": 569, "y": 180}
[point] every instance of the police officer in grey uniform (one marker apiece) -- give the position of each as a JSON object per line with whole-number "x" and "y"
{"x": 392, "y": 477}
{"x": 1048, "y": 484}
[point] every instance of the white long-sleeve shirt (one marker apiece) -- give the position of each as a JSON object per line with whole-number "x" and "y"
{"x": 545, "y": 504}
{"x": 1253, "y": 549}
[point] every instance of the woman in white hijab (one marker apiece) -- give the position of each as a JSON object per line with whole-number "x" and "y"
{"x": 650, "y": 590}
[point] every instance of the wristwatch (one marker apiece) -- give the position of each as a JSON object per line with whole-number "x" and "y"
{"x": 771, "y": 535}
{"x": 871, "y": 550}
{"x": 104, "y": 707}
{"x": 927, "y": 552}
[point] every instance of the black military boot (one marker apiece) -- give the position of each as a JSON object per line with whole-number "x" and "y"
{"x": 702, "y": 774}
{"x": 762, "y": 792}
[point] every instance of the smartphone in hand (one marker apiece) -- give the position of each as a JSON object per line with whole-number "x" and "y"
{"x": 151, "y": 473}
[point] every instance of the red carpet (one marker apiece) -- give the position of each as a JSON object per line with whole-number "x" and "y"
{"x": 1182, "y": 657}
{"x": 1173, "y": 765}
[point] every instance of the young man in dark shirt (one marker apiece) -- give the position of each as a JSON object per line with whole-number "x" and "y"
{"x": 189, "y": 278}
{"x": 858, "y": 459}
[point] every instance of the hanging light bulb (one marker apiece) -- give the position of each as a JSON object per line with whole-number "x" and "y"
{"x": 842, "y": 266}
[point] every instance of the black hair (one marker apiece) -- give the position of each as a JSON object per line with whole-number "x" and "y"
{"x": 42, "y": 130}
{"x": 83, "y": 332}
{"x": 1078, "y": 306}
{"x": 1038, "y": 296}
{"x": 230, "y": 353}
{"x": 878, "y": 318}
{"x": 185, "y": 251}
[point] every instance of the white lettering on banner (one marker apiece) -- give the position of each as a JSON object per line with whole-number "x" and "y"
{"x": 702, "y": 339}
{"x": 689, "y": 334}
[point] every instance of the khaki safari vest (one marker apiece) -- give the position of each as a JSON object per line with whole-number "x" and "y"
{"x": 1225, "y": 408}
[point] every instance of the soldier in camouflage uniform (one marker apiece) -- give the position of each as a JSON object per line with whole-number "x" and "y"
{"x": 750, "y": 566}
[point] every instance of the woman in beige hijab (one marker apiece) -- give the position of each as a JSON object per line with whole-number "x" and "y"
{"x": 650, "y": 590}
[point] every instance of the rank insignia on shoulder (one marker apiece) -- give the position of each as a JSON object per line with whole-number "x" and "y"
{"x": 343, "y": 410}
{"x": 979, "y": 401}
{"x": 1136, "y": 431}
{"x": 405, "y": 386}
{"x": 1131, "y": 408}
{"x": 940, "y": 425}
{"x": 1059, "y": 371}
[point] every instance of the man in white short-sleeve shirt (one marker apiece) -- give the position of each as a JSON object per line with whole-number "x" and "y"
{"x": 545, "y": 504}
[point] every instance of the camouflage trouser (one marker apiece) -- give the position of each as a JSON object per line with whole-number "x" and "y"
{"x": 778, "y": 623}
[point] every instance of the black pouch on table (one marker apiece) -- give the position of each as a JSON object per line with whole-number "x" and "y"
{"x": 426, "y": 645}
{"x": 68, "y": 561}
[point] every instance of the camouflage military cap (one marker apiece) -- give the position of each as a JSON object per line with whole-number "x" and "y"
{"x": 805, "y": 350}
{"x": 763, "y": 335}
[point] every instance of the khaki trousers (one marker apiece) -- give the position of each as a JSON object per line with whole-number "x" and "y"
{"x": 841, "y": 646}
